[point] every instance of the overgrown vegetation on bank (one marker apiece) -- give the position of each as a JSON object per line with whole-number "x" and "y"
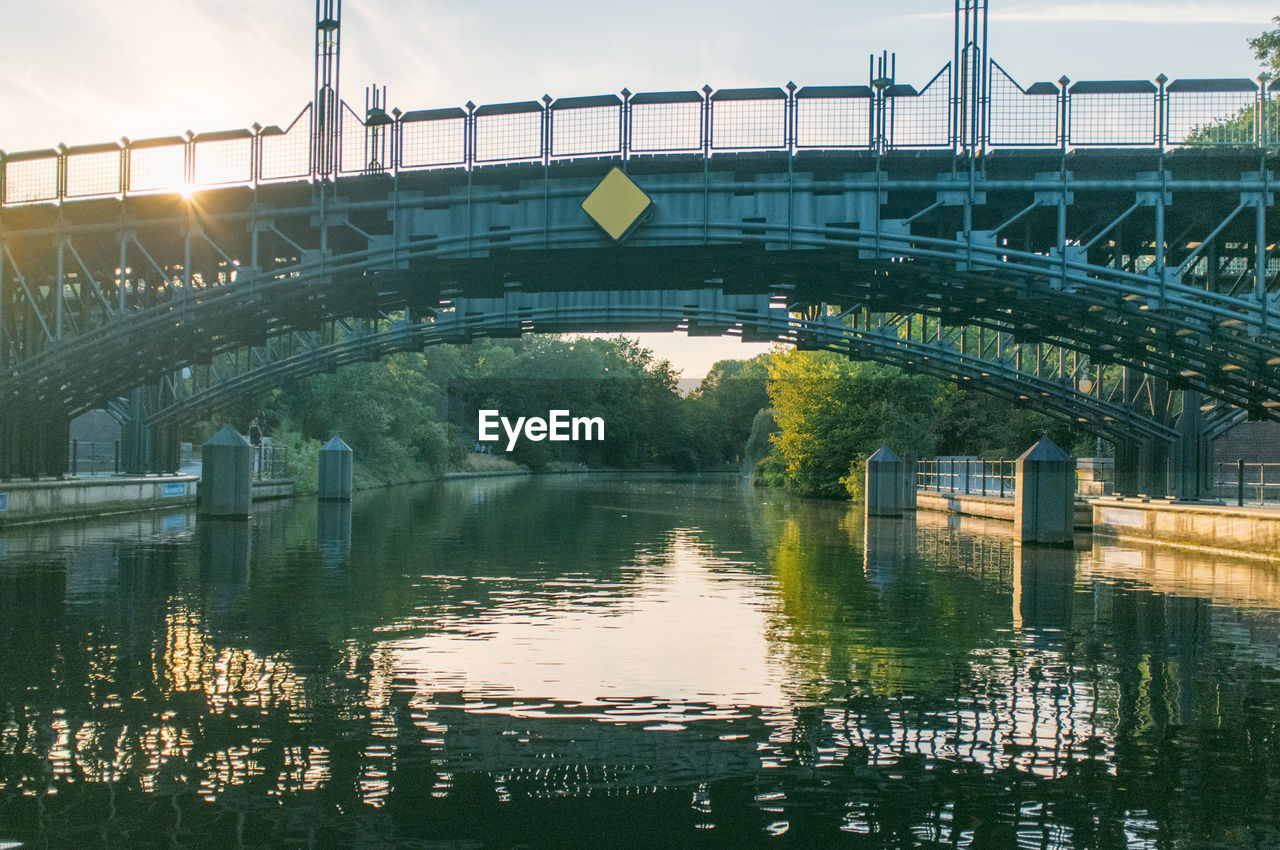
{"x": 802, "y": 421}
{"x": 829, "y": 413}
{"x": 413, "y": 417}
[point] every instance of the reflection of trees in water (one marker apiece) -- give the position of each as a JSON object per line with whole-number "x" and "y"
{"x": 944, "y": 686}
{"x": 1106, "y": 703}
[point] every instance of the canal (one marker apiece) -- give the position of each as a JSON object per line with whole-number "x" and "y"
{"x": 644, "y": 661}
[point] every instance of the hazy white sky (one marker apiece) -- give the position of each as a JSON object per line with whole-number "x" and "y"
{"x": 83, "y": 71}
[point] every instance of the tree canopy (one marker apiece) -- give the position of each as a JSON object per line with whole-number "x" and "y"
{"x": 1266, "y": 48}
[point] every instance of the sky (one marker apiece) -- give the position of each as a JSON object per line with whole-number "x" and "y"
{"x": 86, "y": 71}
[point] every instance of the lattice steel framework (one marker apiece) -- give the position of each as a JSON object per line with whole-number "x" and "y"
{"x": 1150, "y": 269}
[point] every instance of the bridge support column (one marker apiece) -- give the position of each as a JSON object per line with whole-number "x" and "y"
{"x": 1045, "y": 496}
{"x": 335, "y": 480}
{"x": 1142, "y": 467}
{"x": 34, "y": 441}
{"x": 146, "y": 449}
{"x": 1191, "y": 458}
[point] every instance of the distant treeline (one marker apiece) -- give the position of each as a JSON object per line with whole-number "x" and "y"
{"x": 799, "y": 420}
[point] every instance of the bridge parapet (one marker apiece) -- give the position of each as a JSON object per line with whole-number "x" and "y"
{"x": 881, "y": 117}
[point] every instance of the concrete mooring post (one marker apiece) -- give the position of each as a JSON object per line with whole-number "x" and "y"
{"x": 909, "y": 482}
{"x": 884, "y": 483}
{"x": 335, "y": 471}
{"x": 1044, "y": 495}
{"x": 226, "y": 475}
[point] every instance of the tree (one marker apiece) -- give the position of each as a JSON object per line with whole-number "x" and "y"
{"x": 724, "y": 406}
{"x": 1266, "y": 48}
{"x": 832, "y": 411}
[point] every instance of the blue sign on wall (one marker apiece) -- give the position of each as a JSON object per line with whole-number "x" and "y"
{"x": 4, "y": 502}
{"x": 175, "y": 489}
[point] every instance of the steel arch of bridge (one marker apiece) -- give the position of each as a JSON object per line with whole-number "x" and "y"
{"x": 1216, "y": 342}
{"x": 1049, "y": 389}
{"x": 1122, "y": 222}
{"x": 1197, "y": 334}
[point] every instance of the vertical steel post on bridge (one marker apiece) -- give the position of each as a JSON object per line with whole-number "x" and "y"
{"x": 327, "y": 117}
{"x": 969, "y": 77}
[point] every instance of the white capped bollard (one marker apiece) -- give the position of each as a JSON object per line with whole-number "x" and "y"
{"x": 334, "y": 483}
{"x": 226, "y": 475}
{"x": 1045, "y": 495}
{"x": 884, "y": 483}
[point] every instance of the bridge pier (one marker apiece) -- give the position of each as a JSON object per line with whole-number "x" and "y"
{"x": 34, "y": 442}
{"x": 146, "y": 448}
{"x": 1141, "y": 467}
{"x": 1191, "y": 457}
{"x": 1182, "y": 468}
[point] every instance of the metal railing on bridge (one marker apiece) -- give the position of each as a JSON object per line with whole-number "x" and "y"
{"x": 886, "y": 115}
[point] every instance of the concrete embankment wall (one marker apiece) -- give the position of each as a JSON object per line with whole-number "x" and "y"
{"x": 1244, "y": 531}
{"x": 43, "y": 501}
{"x": 272, "y": 488}
{"x": 24, "y": 502}
{"x": 989, "y": 507}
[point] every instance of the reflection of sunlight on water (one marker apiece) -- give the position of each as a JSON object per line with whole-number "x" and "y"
{"x": 305, "y": 768}
{"x": 1220, "y": 579}
{"x": 582, "y": 641}
{"x": 849, "y": 669}
{"x": 226, "y": 677}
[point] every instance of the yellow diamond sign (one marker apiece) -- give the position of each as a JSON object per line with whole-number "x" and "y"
{"x": 618, "y": 205}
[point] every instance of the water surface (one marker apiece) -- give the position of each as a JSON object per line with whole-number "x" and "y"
{"x": 646, "y": 661}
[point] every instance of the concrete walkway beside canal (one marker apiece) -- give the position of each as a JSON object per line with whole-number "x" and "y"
{"x": 1248, "y": 531}
{"x": 1251, "y": 531}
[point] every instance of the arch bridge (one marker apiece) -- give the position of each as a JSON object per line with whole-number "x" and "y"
{"x": 1095, "y": 249}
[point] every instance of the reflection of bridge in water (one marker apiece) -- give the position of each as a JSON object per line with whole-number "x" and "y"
{"x": 1007, "y": 736}
{"x": 1094, "y": 249}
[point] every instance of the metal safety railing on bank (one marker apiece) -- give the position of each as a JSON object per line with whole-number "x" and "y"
{"x": 966, "y": 475}
{"x": 881, "y": 116}
{"x": 270, "y": 461}
{"x": 1247, "y": 483}
{"x": 90, "y": 457}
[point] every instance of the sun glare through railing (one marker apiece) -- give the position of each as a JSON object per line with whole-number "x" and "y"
{"x": 891, "y": 115}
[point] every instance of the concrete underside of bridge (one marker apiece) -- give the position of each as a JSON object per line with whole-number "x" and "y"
{"x": 1135, "y": 269}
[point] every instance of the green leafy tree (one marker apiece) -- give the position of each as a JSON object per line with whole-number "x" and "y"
{"x": 1266, "y": 48}
{"x": 1240, "y": 129}
{"x": 724, "y": 406}
{"x": 614, "y": 378}
{"x": 832, "y": 411}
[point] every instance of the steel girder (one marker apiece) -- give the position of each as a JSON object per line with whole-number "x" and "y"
{"x": 1041, "y": 386}
{"x": 102, "y": 296}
